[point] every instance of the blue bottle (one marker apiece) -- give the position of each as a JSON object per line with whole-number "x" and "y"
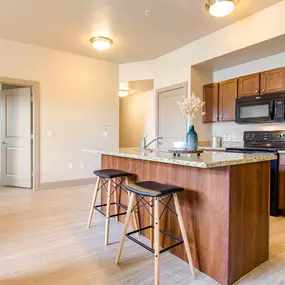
{"x": 191, "y": 139}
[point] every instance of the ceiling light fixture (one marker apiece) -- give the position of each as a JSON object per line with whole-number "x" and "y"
{"x": 220, "y": 8}
{"x": 101, "y": 43}
{"x": 123, "y": 92}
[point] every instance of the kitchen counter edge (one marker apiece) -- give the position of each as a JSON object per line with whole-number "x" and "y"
{"x": 249, "y": 158}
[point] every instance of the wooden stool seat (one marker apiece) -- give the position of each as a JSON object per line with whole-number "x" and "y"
{"x": 115, "y": 180}
{"x": 157, "y": 194}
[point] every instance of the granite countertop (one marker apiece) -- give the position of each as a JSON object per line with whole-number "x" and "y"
{"x": 208, "y": 159}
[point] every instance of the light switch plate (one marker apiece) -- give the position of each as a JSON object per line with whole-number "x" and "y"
{"x": 106, "y": 132}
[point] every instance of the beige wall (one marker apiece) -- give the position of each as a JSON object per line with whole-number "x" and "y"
{"x": 175, "y": 67}
{"x": 137, "y": 118}
{"x": 78, "y": 97}
{"x": 136, "y": 71}
{"x": 200, "y": 77}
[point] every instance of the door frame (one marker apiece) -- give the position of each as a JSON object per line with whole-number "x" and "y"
{"x": 35, "y": 87}
{"x": 183, "y": 85}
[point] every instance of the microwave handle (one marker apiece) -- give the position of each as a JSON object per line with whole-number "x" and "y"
{"x": 272, "y": 109}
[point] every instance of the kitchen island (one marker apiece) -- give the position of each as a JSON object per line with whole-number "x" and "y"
{"x": 225, "y": 205}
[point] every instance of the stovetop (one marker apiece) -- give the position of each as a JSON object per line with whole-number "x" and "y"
{"x": 256, "y": 148}
{"x": 266, "y": 141}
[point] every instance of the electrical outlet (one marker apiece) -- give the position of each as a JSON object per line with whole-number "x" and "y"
{"x": 70, "y": 165}
{"x": 82, "y": 165}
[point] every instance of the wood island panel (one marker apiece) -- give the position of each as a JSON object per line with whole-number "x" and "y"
{"x": 249, "y": 218}
{"x": 281, "y": 194}
{"x": 225, "y": 210}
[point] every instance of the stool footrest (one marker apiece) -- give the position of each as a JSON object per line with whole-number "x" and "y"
{"x": 114, "y": 203}
{"x": 129, "y": 236}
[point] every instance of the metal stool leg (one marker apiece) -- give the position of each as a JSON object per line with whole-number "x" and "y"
{"x": 108, "y": 213}
{"x": 93, "y": 201}
{"x": 183, "y": 232}
{"x": 156, "y": 242}
{"x": 127, "y": 220}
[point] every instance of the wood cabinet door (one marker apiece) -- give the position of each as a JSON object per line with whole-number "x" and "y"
{"x": 273, "y": 80}
{"x": 281, "y": 188}
{"x": 211, "y": 107}
{"x": 249, "y": 85}
{"x": 227, "y": 99}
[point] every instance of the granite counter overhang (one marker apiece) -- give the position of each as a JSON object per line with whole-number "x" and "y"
{"x": 206, "y": 160}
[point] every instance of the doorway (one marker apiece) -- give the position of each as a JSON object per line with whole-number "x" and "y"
{"x": 170, "y": 123}
{"x": 136, "y": 113}
{"x": 19, "y": 133}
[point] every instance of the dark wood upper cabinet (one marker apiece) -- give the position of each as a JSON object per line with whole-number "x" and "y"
{"x": 248, "y": 85}
{"x": 211, "y": 107}
{"x": 221, "y": 97}
{"x": 227, "y": 99}
{"x": 272, "y": 81}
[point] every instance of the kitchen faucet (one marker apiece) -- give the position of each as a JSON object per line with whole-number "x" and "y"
{"x": 144, "y": 145}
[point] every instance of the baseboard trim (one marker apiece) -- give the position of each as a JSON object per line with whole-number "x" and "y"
{"x": 67, "y": 183}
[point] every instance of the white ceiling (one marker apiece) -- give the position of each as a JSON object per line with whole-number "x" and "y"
{"x": 68, "y": 25}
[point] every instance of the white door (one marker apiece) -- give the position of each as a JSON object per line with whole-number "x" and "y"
{"x": 172, "y": 126}
{"x": 16, "y": 144}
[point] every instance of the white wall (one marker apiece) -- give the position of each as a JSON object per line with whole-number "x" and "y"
{"x": 175, "y": 67}
{"x": 79, "y": 96}
{"x": 137, "y": 118}
{"x": 266, "y": 63}
{"x": 136, "y": 71}
{"x": 200, "y": 77}
{"x": 232, "y": 128}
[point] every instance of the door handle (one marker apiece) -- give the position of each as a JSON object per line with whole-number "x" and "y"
{"x": 4, "y": 142}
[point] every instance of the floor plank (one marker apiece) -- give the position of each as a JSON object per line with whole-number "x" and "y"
{"x": 44, "y": 240}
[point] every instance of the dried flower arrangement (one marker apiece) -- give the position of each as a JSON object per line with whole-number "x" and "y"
{"x": 190, "y": 106}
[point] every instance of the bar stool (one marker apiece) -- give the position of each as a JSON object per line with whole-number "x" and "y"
{"x": 115, "y": 180}
{"x": 158, "y": 193}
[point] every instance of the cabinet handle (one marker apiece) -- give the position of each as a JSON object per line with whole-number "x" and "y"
{"x": 264, "y": 90}
{"x": 256, "y": 91}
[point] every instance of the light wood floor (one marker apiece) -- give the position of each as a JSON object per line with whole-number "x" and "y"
{"x": 44, "y": 241}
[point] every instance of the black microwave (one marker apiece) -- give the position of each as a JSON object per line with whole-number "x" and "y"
{"x": 261, "y": 109}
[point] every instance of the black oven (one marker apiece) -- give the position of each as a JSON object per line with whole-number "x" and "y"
{"x": 261, "y": 109}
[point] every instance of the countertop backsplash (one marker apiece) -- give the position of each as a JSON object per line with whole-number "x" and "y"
{"x": 225, "y": 143}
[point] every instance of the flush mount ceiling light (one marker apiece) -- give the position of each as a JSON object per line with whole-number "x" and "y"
{"x": 101, "y": 43}
{"x": 220, "y": 8}
{"x": 123, "y": 92}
